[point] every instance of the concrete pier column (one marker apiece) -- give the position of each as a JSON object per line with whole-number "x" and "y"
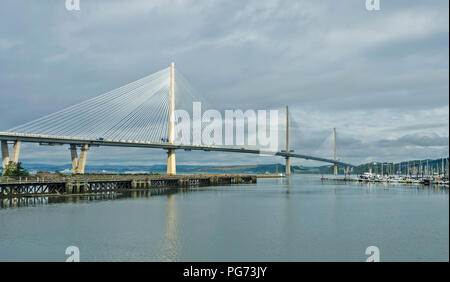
{"x": 83, "y": 156}
{"x": 74, "y": 156}
{"x": 171, "y": 163}
{"x": 5, "y": 155}
{"x": 16, "y": 151}
{"x": 288, "y": 166}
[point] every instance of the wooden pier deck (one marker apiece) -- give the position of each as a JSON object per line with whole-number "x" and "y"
{"x": 98, "y": 184}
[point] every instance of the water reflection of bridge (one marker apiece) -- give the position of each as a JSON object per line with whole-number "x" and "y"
{"x": 40, "y": 201}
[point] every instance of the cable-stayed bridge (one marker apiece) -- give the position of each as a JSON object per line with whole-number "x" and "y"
{"x": 139, "y": 114}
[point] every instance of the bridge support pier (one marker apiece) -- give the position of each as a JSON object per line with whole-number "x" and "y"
{"x": 83, "y": 156}
{"x": 171, "y": 163}
{"x": 5, "y": 155}
{"x": 16, "y": 151}
{"x": 78, "y": 164}
{"x": 74, "y": 157}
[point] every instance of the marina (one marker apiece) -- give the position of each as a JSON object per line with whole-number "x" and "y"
{"x": 423, "y": 172}
{"x": 392, "y": 179}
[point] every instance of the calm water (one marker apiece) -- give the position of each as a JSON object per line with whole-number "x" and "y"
{"x": 275, "y": 220}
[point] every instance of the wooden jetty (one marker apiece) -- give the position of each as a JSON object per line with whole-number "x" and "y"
{"x": 97, "y": 184}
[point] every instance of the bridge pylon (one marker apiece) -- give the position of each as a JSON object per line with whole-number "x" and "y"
{"x": 335, "y": 167}
{"x": 171, "y": 162}
{"x": 288, "y": 159}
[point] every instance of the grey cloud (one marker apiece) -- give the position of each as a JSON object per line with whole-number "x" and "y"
{"x": 424, "y": 140}
{"x": 380, "y": 78}
{"x": 420, "y": 126}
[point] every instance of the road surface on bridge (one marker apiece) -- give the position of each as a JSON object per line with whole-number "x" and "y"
{"x": 58, "y": 140}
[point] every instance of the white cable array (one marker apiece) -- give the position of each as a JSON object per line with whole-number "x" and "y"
{"x": 186, "y": 95}
{"x": 138, "y": 111}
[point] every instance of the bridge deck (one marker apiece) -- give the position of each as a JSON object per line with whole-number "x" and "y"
{"x": 57, "y": 140}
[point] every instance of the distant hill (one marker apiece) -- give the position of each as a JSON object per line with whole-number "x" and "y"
{"x": 253, "y": 169}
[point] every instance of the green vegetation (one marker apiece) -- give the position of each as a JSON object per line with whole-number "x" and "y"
{"x": 15, "y": 170}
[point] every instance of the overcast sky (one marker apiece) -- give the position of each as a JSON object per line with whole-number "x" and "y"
{"x": 379, "y": 77}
